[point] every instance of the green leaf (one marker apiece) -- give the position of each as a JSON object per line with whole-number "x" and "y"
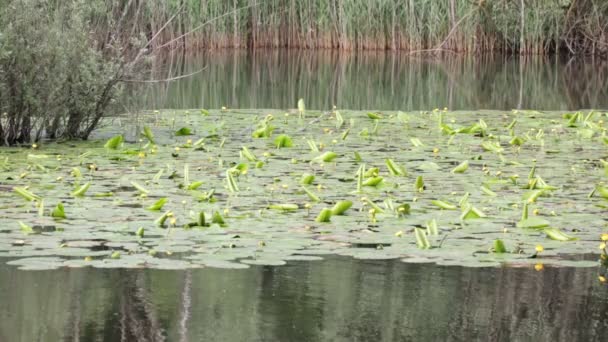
{"x": 462, "y": 167}
{"x": 283, "y": 140}
{"x": 328, "y": 156}
{"x": 80, "y": 191}
{"x": 147, "y": 132}
{"x": 163, "y": 218}
{"x": 158, "y": 205}
{"x": 340, "y": 207}
{"x": 421, "y": 240}
{"x": 492, "y": 146}
{"x": 114, "y": 142}
{"x": 556, "y": 234}
{"x": 533, "y": 222}
{"x": 419, "y": 184}
{"x": 248, "y": 155}
{"x": 25, "y": 228}
{"x": 360, "y": 173}
{"x": 374, "y": 116}
{"x": 311, "y": 195}
{"x": 394, "y": 169}
{"x": 373, "y": 181}
{"x": 140, "y": 232}
{"x": 218, "y": 218}
{"x": 324, "y": 216}
{"x": 195, "y": 185}
{"x": 470, "y": 212}
{"x": 26, "y": 194}
{"x": 431, "y": 227}
{"x": 487, "y": 191}
{"x": 307, "y": 179}
{"x": 58, "y": 211}
{"x": 444, "y": 205}
{"x": 139, "y": 188}
{"x": 232, "y": 185}
{"x": 183, "y": 131}
{"x": 284, "y": 206}
{"x": 499, "y": 246}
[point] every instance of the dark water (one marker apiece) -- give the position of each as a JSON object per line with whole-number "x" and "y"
{"x": 338, "y": 299}
{"x": 381, "y": 81}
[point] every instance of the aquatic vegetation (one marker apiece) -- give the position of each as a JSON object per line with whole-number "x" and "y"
{"x": 469, "y": 198}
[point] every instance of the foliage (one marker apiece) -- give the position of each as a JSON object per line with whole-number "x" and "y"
{"x": 60, "y": 68}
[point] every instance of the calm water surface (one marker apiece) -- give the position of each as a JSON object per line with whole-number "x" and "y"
{"x": 380, "y": 81}
{"x": 338, "y": 299}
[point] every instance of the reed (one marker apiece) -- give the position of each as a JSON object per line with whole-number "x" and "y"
{"x": 515, "y": 26}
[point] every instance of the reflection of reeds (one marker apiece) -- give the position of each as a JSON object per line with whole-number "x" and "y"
{"x": 538, "y": 27}
{"x": 378, "y": 81}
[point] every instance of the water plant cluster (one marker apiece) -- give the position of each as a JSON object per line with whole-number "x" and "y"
{"x": 229, "y": 188}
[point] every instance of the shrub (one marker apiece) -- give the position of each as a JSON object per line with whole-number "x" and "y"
{"x": 61, "y": 63}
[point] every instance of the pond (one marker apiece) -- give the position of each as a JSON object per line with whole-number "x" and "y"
{"x": 228, "y": 195}
{"x": 377, "y": 81}
{"x": 337, "y": 299}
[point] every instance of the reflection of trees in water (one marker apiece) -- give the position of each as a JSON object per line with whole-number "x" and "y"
{"x": 339, "y": 299}
{"x": 128, "y": 316}
{"x": 276, "y": 79}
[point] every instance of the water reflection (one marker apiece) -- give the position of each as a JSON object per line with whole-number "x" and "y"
{"x": 338, "y": 299}
{"x": 383, "y": 81}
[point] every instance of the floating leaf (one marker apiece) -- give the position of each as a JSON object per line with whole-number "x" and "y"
{"x": 533, "y": 222}
{"x": 556, "y": 234}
